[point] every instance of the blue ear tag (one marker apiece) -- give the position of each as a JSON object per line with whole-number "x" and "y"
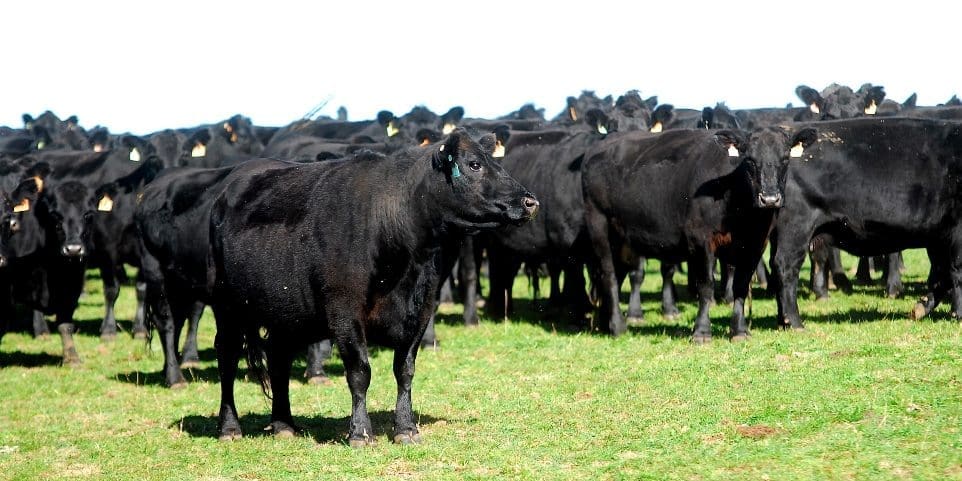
{"x": 455, "y": 171}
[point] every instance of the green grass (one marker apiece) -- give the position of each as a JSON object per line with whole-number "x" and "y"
{"x": 864, "y": 393}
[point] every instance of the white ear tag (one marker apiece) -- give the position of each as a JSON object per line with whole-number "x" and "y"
{"x": 199, "y": 150}
{"x": 391, "y": 129}
{"x": 23, "y": 206}
{"x": 656, "y": 128}
{"x": 134, "y": 155}
{"x": 498, "y": 150}
{"x": 448, "y": 128}
{"x": 98, "y": 148}
{"x": 814, "y": 108}
{"x": 732, "y": 151}
{"x": 796, "y": 151}
{"x": 106, "y": 204}
{"x": 602, "y": 130}
{"x": 41, "y": 145}
{"x": 871, "y": 109}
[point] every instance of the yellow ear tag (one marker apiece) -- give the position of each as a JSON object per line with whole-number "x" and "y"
{"x": 814, "y": 108}
{"x": 498, "y": 150}
{"x": 656, "y": 128}
{"x": 448, "y": 128}
{"x": 228, "y": 128}
{"x": 571, "y": 114}
{"x": 23, "y": 206}
{"x": 602, "y": 130}
{"x": 41, "y": 145}
{"x": 98, "y": 148}
{"x": 871, "y": 109}
{"x": 105, "y": 204}
{"x": 796, "y": 151}
{"x": 425, "y": 141}
{"x": 732, "y": 151}
{"x": 391, "y": 129}
{"x": 233, "y": 137}
{"x": 199, "y": 150}
{"x": 39, "y": 181}
{"x": 134, "y": 155}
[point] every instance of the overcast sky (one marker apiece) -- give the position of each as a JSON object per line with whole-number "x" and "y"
{"x": 141, "y": 67}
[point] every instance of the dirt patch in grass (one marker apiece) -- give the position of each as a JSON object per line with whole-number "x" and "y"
{"x": 756, "y": 431}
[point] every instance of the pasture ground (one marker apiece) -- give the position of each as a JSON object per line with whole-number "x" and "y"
{"x": 864, "y": 393}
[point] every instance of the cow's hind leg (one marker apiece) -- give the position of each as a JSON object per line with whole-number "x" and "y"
{"x": 357, "y": 370}
{"x": 317, "y": 353}
{"x": 939, "y": 284}
{"x": 190, "y": 357}
{"x": 700, "y": 268}
{"x": 893, "y": 275}
{"x": 279, "y": 360}
{"x": 228, "y": 344}
{"x": 669, "y": 294}
{"x": 636, "y": 277}
{"x": 40, "y": 328}
{"x": 108, "y": 328}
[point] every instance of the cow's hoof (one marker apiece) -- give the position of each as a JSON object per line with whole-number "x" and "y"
{"x": 190, "y": 364}
{"x": 179, "y": 385}
{"x": 918, "y": 311}
{"x": 71, "y": 358}
{"x": 741, "y": 337}
{"x": 433, "y": 345}
{"x": 43, "y": 336}
{"x": 281, "y": 430}
{"x": 670, "y": 314}
{"x": 320, "y": 381}
{"x": 230, "y": 434}
{"x": 140, "y": 335}
{"x": 362, "y": 442}
{"x": 698, "y": 338}
{"x": 635, "y": 320}
{"x": 407, "y": 438}
{"x": 763, "y": 285}
{"x": 108, "y": 336}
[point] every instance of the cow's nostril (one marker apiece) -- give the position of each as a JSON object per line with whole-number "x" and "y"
{"x": 530, "y": 204}
{"x": 73, "y": 250}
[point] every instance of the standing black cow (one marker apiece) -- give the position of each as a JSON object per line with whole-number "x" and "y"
{"x": 346, "y": 249}
{"x": 906, "y": 196}
{"x": 687, "y": 195}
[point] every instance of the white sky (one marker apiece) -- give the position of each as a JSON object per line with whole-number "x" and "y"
{"x": 141, "y": 67}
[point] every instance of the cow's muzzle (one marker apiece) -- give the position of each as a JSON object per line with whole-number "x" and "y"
{"x": 769, "y": 200}
{"x": 530, "y": 204}
{"x": 73, "y": 250}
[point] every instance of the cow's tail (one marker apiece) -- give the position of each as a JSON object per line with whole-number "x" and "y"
{"x": 254, "y": 340}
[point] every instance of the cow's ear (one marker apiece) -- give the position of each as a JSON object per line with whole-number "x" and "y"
{"x": 873, "y": 99}
{"x": 24, "y": 196}
{"x": 196, "y": 144}
{"x": 427, "y": 136}
{"x": 41, "y": 137}
{"x": 598, "y": 121}
{"x": 572, "y": 109}
{"x": 27, "y": 121}
{"x": 137, "y": 149}
{"x": 447, "y": 154}
{"x": 451, "y": 119}
{"x": 802, "y": 140}
{"x": 910, "y": 102}
{"x": 707, "y": 118}
{"x": 811, "y": 97}
{"x": 732, "y": 141}
{"x": 387, "y": 120}
{"x": 661, "y": 117}
{"x": 37, "y": 173}
{"x": 104, "y": 196}
{"x": 501, "y": 133}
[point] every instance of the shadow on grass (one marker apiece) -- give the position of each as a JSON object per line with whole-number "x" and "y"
{"x": 28, "y": 359}
{"x": 320, "y": 429}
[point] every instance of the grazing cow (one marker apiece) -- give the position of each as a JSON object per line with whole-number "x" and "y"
{"x": 347, "y": 250}
{"x": 684, "y": 195}
{"x": 905, "y": 198}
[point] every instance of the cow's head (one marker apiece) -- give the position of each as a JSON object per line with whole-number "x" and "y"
{"x": 239, "y": 132}
{"x": 67, "y": 211}
{"x": 478, "y": 193}
{"x": 766, "y": 154}
{"x": 17, "y": 213}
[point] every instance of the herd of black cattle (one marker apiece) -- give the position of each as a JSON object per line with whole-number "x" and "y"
{"x": 331, "y": 230}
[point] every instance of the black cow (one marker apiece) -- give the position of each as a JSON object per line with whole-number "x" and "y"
{"x": 685, "y": 195}
{"x": 904, "y": 197}
{"x": 220, "y": 144}
{"x": 346, "y": 249}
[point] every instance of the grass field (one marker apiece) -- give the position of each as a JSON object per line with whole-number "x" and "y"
{"x": 864, "y": 393}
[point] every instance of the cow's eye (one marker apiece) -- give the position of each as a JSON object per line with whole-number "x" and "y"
{"x": 475, "y": 166}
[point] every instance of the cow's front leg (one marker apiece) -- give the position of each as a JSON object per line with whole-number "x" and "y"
{"x": 357, "y": 370}
{"x": 405, "y": 430}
